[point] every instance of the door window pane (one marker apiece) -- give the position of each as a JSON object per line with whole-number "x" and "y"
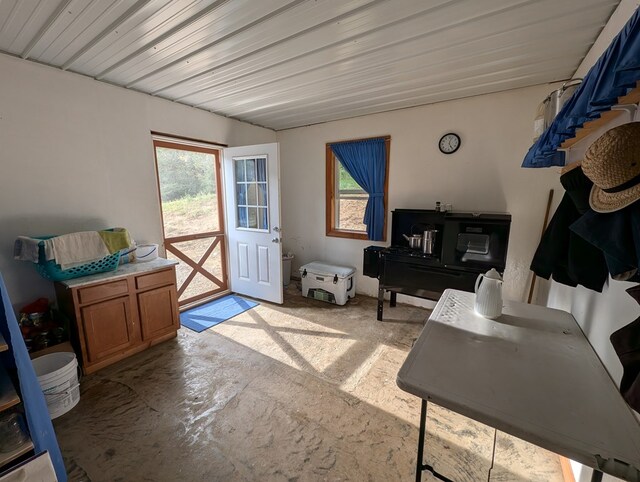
{"x": 253, "y": 218}
{"x": 241, "y": 191}
{"x": 262, "y": 194}
{"x": 263, "y": 219}
{"x": 242, "y": 217}
{"x": 252, "y": 198}
{"x": 262, "y": 169}
{"x": 240, "y": 170}
{"x": 251, "y": 169}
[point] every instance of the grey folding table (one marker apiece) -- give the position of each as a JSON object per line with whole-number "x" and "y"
{"x": 530, "y": 373}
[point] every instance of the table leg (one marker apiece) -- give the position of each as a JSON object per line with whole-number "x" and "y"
{"x": 596, "y": 476}
{"x": 392, "y": 299}
{"x": 423, "y": 423}
{"x": 380, "y": 303}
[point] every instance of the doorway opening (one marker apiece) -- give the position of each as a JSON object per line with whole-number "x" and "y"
{"x": 192, "y": 211}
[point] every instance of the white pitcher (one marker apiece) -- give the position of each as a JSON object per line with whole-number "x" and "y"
{"x": 489, "y": 294}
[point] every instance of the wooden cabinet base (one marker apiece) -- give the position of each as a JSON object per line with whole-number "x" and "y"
{"x": 113, "y": 319}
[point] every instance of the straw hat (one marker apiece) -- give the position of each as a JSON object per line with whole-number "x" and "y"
{"x": 612, "y": 162}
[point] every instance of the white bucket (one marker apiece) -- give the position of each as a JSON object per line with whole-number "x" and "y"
{"x": 146, "y": 252}
{"x": 58, "y": 377}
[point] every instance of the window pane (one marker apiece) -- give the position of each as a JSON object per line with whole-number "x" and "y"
{"x": 188, "y": 191}
{"x": 262, "y": 169}
{"x": 262, "y": 214}
{"x": 239, "y": 170}
{"x": 252, "y": 197}
{"x": 346, "y": 182}
{"x": 241, "y": 194}
{"x": 251, "y": 192}
{"x": 351, "y": 201}
{"x": 262, "y": 194}
{"x": 242, "y": 217}
{"x": 252, "y": 218}
{"x": 351, "y": 212}
{"x": 251, "y": 169}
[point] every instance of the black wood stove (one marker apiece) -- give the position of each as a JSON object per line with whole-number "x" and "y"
{"x": 466, "y": 245}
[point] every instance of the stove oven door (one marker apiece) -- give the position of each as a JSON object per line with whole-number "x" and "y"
{"x": 419, "y": 279}
{"x": 476, "y": 245}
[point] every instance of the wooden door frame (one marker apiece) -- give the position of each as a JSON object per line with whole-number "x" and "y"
{"x": 219, "y": 236}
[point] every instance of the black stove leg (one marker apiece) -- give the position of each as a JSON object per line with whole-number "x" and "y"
{"x": 392, "y": 299}
{"x": 380, "y": 302}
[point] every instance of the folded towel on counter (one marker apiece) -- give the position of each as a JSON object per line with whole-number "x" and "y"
{"x": 26, "y": 249}
{"x": 115, "y": 239}
{"x": 77, "y": 248}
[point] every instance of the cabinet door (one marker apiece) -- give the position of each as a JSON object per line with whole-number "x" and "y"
{"x": 108, "y": 328}
{"x": 158, "y": 312}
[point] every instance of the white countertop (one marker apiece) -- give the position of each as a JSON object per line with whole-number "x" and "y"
{"x": 123, "y": 271}
{"x": 530, "y": 373}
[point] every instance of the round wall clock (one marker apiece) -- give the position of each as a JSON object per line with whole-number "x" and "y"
{"x": 449, "y": 143}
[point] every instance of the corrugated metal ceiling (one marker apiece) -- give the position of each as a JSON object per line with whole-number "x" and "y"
{"x": 287, "y": 63}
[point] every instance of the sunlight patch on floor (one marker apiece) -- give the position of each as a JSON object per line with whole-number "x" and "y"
{"x": 292, "y": 340}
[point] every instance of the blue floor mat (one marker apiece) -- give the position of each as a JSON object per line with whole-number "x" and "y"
{"x": 210, "y": 314}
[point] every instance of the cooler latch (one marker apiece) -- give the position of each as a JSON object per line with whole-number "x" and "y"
{"x": 304, "y": 273}
{"x": 335, "y": 279}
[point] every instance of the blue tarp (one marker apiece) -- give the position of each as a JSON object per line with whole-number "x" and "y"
{"x": 613, "y": 75}
{"x": 35, "y": 406}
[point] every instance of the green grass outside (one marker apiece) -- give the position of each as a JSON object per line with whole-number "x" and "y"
{"x": 190, "y": 206}
{"x": 347, "y": 183}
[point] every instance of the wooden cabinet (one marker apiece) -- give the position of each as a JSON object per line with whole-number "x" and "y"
{"x": 115, "y": 318}
{"x": 108, "y": 328}
{"x": 156, "y": 308}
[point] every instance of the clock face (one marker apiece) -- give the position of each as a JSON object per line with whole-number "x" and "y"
{"x": 449, "y": 143}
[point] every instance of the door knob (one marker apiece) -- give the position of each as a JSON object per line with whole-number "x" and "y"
{"x": 275, "y": 240}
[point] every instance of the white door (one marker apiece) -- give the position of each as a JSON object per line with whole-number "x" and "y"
{"x": 252, "y": 193}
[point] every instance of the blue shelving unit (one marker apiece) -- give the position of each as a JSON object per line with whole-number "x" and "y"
{"x": 14, "y": 358}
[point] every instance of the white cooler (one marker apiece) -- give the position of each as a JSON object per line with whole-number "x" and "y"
{"x": 328, "y": 282}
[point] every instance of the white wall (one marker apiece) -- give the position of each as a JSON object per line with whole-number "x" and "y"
{"x": 76, "y": 154}
{"x": 484, "y": 175}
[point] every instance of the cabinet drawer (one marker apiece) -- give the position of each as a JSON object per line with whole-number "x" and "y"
{"x": 160, "y": 278}
{"x": 101, "y": 292}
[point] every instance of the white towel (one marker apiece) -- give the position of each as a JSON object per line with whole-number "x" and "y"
{"x": 26, "y": 249}
{"x": 77, "y": 248}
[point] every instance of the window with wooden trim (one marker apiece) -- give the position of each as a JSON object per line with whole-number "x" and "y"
{"x": 346, "y": 200}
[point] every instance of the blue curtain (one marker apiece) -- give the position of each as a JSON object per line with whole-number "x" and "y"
{"x": 613, "y": 75}
{"x": 366, "y": 162}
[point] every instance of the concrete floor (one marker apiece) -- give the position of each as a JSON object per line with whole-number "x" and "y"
{"x": 300, "y": 392}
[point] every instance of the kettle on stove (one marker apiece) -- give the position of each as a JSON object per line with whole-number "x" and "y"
{"x": 489, "y": 294}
